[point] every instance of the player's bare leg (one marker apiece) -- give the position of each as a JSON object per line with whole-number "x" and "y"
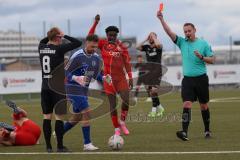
{"x": 72, "y": 121}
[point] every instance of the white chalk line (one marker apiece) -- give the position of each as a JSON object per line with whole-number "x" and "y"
{"x": 123, "y": 153}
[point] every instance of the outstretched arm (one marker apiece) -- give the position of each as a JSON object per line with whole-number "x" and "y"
{"x": 166, "y": 28}
{"x": 93, "y": 28}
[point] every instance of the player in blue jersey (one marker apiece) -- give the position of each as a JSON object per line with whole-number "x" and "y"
{"x": 83, "y": 65}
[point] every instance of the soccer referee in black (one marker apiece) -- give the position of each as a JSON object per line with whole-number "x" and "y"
{"x": 51, "y": 54}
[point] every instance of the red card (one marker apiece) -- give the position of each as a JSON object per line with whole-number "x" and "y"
{"x": 161, "y": 7}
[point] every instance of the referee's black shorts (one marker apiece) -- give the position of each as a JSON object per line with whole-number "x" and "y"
{"x": 195, "y": 88}
{"x": 52, "y": 101}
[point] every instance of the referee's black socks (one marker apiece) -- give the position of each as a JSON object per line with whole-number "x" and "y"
{"x": 59, "y": 129}
{"x": 47, "y": 130}
{"x": 206, "y": 119}
{"x": 186, "y": 118}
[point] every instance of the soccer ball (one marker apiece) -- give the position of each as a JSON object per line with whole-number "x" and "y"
{"x": 115, "y": 142}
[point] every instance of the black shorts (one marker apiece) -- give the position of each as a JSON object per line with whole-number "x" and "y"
{"x": 51, "y": 100}
{"x": 195, "y": 88}
{"x": 152, "y": 78}
{"x": 154, "y": 75}
{"x": 140, "y": 80}
{"x": 149, "y": 83}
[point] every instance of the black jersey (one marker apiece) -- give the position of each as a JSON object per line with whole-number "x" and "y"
{"x": 153, "y": 54}
{"x": 51, "y": 56}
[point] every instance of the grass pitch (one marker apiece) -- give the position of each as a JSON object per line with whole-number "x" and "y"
{"x": 149, "y": 138}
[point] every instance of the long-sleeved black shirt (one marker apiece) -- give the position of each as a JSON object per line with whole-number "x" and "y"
{"x": 52, "y": 58}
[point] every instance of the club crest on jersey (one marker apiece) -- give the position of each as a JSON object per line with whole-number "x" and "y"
{"x": 94, "y": 63}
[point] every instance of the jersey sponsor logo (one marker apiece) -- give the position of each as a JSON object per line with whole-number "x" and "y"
{"x": 47, "y": 51}
{"x": 114, "y": 54}
{"x": 83, "y": 69}
{"x": 152, "y": 54}
{"x": 47, "y": 76}
{"x": 113, "y": 49}
{"x": 89, "y": 73}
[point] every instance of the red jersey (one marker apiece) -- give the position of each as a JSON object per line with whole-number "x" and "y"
{"x": 115, "y": 57}
{"x": 27, "y": 134}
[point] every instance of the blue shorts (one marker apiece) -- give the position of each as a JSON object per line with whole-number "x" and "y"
{"x": 79, "y": 103}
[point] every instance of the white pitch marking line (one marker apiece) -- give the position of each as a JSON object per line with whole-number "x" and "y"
{"x": 121, "y": 153}
{"x": 227, "y": 99}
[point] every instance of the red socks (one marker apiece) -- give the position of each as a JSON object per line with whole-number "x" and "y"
{"x": 124, "y": 115}
{"x": 115, "y": 121}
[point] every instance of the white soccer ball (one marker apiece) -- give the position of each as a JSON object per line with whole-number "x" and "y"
{"x": 115, "y": 142}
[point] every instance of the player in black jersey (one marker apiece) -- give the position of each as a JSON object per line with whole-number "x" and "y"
{"x": 140, "y": 66}
{"x": 153, "y": 49}
{"x": 51, "y": 54}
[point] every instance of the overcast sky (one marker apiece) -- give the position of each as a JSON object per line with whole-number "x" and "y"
{"x": 215, "y": 20}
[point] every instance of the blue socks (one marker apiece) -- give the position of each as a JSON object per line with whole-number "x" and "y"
{"x": 67, "y": 126}
{"x": 85, "y": 131}
{"x": 86, "y": 134}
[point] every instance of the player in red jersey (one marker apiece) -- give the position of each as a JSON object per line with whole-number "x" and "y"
{"x": 116, "y": 63}
{"x": 24, "y": 131}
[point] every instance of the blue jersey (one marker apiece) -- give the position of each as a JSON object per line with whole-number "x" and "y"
{"x": 82, "y": 64}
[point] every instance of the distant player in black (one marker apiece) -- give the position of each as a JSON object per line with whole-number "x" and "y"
{"x": 153, "y": 49}
{"x": 140, "y": 66}
{"x": 51, "y": 54}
